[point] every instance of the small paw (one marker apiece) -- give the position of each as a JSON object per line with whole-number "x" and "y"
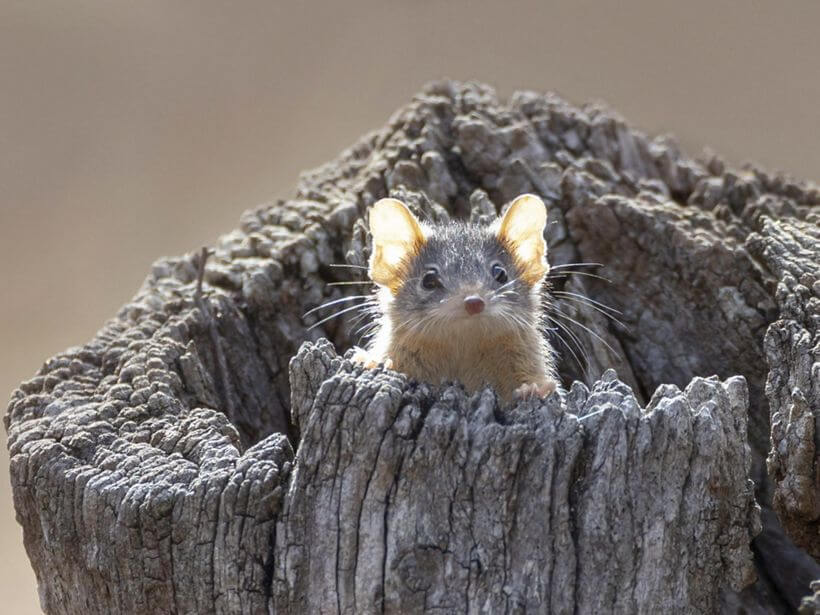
{"x": 535, "y": 389}
{"x": 360, "y": 355}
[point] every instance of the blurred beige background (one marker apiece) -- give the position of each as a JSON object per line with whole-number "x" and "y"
{"x": 132, "y": 130}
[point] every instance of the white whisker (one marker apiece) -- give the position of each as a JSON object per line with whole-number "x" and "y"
{"x": 591, "y": 414}
{"x": 334, "y": 302}
{"x": 561, "y": 314}
{"x": 503, "y": 286}
{"x": 340, "y": 312}
{"x": 577, "y": 342}
{"x": 348, "y": 283}
{"x": 565, "y": 265}
{"x": 346, "y": 265}
{"x": 569, "y": 272}
{"x": 587, "y": 302}
{"x": 585, "y": 298}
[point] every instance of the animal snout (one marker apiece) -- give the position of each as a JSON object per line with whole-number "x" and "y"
{"x": 474, "y": 305}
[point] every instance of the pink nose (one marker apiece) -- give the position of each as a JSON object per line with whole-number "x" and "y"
{"x": 474, "y": 305}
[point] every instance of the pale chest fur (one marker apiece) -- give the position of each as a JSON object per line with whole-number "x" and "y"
{"x": 475, "y": 360}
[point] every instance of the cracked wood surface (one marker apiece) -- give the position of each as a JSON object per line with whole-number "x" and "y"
{"x": 415, "y": 500}
{"x": 153, "y": 468}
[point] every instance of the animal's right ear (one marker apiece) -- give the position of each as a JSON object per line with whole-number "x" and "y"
{"x": 397, "y": 239}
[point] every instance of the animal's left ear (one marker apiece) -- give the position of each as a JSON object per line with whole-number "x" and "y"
{"x": 521, "y": 230}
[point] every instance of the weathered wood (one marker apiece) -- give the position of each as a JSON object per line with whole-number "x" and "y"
{"x": 414, "y": 500}
{"x": 153, "y": 468}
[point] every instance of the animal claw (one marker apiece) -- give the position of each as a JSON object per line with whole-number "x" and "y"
{"x": 368, "y": 361}
{"x": 535, "y": 389}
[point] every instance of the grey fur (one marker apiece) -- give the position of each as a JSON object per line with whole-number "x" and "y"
{"x": 463, "y": 255}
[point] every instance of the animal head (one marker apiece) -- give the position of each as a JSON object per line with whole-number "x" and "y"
{"x": 459, "y": 274}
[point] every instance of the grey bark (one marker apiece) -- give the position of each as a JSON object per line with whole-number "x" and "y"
{"x": 436, "y": 500}
{"x": 153, "y": 468}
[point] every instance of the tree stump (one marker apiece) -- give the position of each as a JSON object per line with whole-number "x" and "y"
{"x": 207, "y": 453}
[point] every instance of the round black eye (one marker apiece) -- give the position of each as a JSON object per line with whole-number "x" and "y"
{"x": 430, "y": 280}
{"x": 499, "y": 273}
